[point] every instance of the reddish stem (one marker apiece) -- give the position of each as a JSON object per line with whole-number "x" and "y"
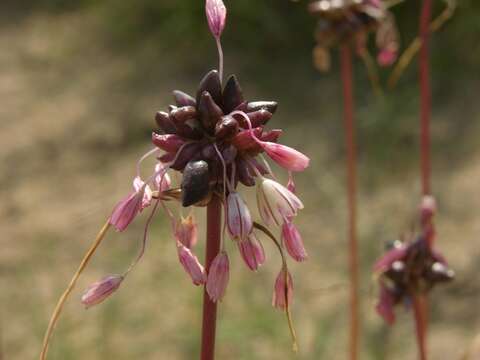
{"x": 420, "y": 313}
{"x": 346, "y": 70}
{"x": 425, "y": 95}
{"x": 214, "y": 218}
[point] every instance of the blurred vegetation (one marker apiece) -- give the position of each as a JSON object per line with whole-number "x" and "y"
{"x": 88, "y": 76}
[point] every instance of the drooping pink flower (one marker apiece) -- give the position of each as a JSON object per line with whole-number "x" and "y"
{"x": 283, "y": 290}
{"x": 126, "y": 210}
{"x": 161, "y": 181}
{"x": 191, "y": 265}
{"x": 216, "y": 16}
{"x": 186, "y": 231}
{"x": 275, "y": 202}
{"x": 138, "y": 184}
{"x": 385, "y": 305}
{"x": 101, "y": 290}
{"x": 239, "y": 220}
{"x": 252, "y": 252}
{"x": 218, "y": 277}
{"x": 285, "y": 156}
{"x": 293, "y": 241}
{"x": 386, "y": 57}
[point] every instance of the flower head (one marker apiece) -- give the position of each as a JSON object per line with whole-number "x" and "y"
{"x": 218, "y": 276}
{"x": 101, "y": 290}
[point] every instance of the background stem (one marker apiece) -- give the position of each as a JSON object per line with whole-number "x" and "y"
{"x": 425, "y": 95}
{"x": 420, "y": 311}
{"x": 214, "y": 218}
{"x": 346, "y": 70}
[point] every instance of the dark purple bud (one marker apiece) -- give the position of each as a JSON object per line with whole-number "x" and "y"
{"x": 195, "y": 182}
{"x": 226, "y": 129}
{"x": 211, "y": 83}
{"x": 166, "y": 158}
{"x": 209, "y": 152}
{"x": 186, "y": 155}
{"x": 183, "y": 99}
{"x": 243, "y": 172}
{"x": 270, "y": 106}
{"x": 257, "y": 118}
{"x": 168, "y": 142}
{"x": 210, "y": 112}
{"x": 232, "y": 94}
{"x": 182, "y": 114}
{"x": 164, "y": 123}
{"x": 229, "y": 154}
{"x": 189, "y": 130}
{"x": 242, "y": 107}
{"x": 258, "y": 166}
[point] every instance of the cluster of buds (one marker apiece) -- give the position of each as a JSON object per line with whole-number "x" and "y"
{"x": 411, "y": 268}
{"x": 342, "y": 21}
{"x": 216, "y": 141}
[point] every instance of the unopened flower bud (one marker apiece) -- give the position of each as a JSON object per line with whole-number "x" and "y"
{"x": 227, "y": 128}
{"x": 293, "y": 242}
{"x": 239, "y": 220}
{"x": 216, "y": 16}
{"x": 232, "y": 94}
{"x": 186, "y": 231}
{"x": 183, "y": 99}
{"x": 167, "y": 142}
{"x": 101, "y": 290}
{"x": 191, "y": 265}
{"x": 218, "y": 276}
{"x": 252, "y": 252}
{"x": 283, "y": 290}
{"x": 286, "y": 157}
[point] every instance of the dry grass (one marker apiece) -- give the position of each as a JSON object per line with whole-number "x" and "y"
{"x": 66, "y": 117}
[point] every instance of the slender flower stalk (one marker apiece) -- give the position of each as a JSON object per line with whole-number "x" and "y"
{"x": 350, "y": 143}
{"x": 209, "y": 322}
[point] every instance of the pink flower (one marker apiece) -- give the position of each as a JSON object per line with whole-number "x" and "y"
{"x": 101, "y": 290}
{"x": 186, "y": 231}
{"x": 218, "y": 276}
{"x": 283, "y": 290}
{"x": 275, "y": 202}
{"x": 138, "y": 184}
{"x": 291, "y": 184}
{"x": 191, "y": 265}
{"x": 126, "y": 210}
{"x": 285, "y": 156}
{"x": 385, "y": 305}
{"x": 387, "y": 57}
{"x": 293, "y": 241}
{"x": 161, "y": 181}
{"x": 216, "y": 16}
{"x": 252, "y": 252}
{"x": 239, "y": 220}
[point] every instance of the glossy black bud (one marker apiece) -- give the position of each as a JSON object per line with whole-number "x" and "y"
{"x": 211, "y": 83}
{"x": 165, "y": 123}
{"x": 210, "y": 113}
{"x": 195, "y": 182}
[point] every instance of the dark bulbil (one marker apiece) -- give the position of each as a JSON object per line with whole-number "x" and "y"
{"x": 194, "y": 129}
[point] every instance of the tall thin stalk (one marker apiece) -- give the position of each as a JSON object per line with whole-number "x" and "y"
{"x": 347, "y": 82}
{"x": 421, "y": 301}
{"x": 209, "y": 322}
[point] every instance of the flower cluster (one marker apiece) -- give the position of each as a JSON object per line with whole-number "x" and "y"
{"x": 341, "y": 21}
{"x": 411, "y": 268}
{"x": 216, "y": 140}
